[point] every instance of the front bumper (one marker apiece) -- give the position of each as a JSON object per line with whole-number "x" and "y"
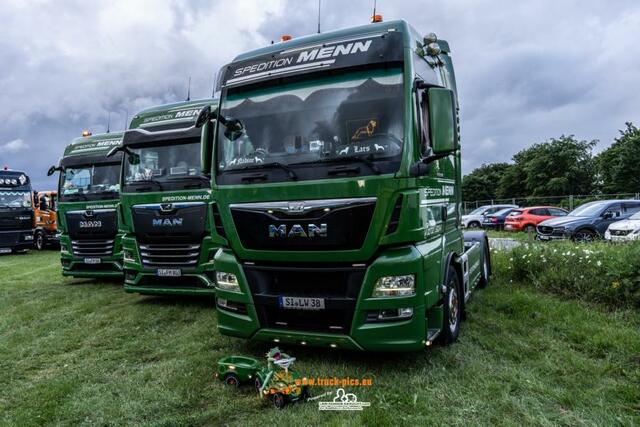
{"x": 619, "y": 238}
{"x": 198, "y": 280}
{"x": 74, "y": 266}
{"x": 251, "y": 322}
{"x": 15, "y": 240}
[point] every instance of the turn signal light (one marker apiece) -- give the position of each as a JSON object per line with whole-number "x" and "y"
{"x": 285, "y": 38}
{"x": 376, "y": 18}
{"x": 86, "y": 133}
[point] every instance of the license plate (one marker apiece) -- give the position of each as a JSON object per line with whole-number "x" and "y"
{"x": 168, "y": 272}
{"x": 541, "y": 237}
{"x": 508, "y": 227}
{"x": 5, "y": 250}
{"x": 298, "y": 303}
{"x": 92, "y": 260}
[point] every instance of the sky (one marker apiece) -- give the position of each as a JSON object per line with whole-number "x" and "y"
{"x": 526, "y": 71}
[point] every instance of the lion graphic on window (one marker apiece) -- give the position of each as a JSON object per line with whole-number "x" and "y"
{"x": 365, "y": 131}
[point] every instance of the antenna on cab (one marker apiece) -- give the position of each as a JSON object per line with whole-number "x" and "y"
{"x": 189, "y": 90}
{"x": 319, "y": 5}
{"x": 109, "y": 122}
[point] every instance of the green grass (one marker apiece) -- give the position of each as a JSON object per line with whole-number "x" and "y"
{"x": 84, "y": 352}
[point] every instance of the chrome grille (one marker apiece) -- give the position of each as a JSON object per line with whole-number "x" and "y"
{"x": 92, "y": 248}
{"x": 173, "y": 255}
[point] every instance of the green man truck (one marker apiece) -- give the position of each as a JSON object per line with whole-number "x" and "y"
{"x": 336, "y": 173}
{"x": 165, "y": 201}
{"x": 16, "y": 212}
{"x": 88, "y": 194}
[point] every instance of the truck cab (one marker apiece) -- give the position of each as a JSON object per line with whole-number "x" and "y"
{"x": 166, "y": 203}
{"x": 16, "y": 212}
{"x": 88, "y": 196}
{"x": 45, "y": 219}
{"x": 336, "y": 170}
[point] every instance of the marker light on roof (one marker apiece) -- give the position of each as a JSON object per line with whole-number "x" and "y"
{"x": 430, "y": 38}
{"x": 376, "y": 18}
{"x": 285, "y": 38}
{"x": 433, "y": 49}
{"x": 86, "y": 133}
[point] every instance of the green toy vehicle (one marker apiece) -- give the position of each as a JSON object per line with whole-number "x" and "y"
{"x": 276, "y": 382}
{"x": 235, "y": 370}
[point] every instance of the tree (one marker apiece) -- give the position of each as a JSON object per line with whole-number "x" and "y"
{"x": 618, "y": 165}
{"x": 482, "y": 183}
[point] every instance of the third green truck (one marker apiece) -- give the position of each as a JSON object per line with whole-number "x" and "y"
{"x": 336, "y": 173}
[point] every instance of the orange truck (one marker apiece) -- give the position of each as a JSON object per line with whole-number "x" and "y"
{"x": 45, "y": 219}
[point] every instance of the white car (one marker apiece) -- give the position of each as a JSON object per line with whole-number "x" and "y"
{"x": 474, "y": 218}
{"x": 625, "y": 230}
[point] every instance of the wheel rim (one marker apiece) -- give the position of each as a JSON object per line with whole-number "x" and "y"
{"x": 584, "y": 237}
{"x": 453, "y": 307}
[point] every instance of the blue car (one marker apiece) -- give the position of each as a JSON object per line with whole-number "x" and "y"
{"x": 588, "y": 222}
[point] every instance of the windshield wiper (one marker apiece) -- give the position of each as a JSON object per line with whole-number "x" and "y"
{"x": 367, "y": 160}
{"x": 290, "y": 173}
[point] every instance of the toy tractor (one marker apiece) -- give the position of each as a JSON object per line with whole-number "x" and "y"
{"x": 276, "y": 382}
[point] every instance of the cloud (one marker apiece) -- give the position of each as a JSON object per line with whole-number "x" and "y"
{"x": 526, "y": 71}
{"x": 14, "y": 146}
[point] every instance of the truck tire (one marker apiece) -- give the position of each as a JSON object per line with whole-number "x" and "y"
{"x": 485, "y": 270}
{"x": 232, "y": 380}
{"x": 452, "y": 307}
{"x": 38, "y": 240}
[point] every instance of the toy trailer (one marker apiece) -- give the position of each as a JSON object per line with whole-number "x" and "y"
{"x": 235, "y": 370}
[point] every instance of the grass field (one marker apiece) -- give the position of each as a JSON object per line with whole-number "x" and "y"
{"x": 84, "y": 352}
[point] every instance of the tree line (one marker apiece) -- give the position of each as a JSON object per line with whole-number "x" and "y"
{"x": 560, "y": 166}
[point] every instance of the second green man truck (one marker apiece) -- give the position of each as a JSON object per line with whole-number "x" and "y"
{"x": 336, "y": 173}
{"x": 88, "y": 193}
{"x": 165, "y": 203}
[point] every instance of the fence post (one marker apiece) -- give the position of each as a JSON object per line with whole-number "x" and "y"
{"x": 571, "y": 202}
{"x": 637, "y": 195}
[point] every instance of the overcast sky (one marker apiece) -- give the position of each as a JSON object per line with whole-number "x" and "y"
{"x": 527, "y": 71}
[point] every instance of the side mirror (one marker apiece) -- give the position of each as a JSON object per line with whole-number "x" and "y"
{"x": 53, "y": 170}
{"x": 114, "y": 150}
{"x": 206, "y": 148}
{"x": 607, "y": 215}
{"x": 442, "y": 121}
{"x": 203, "y": 116}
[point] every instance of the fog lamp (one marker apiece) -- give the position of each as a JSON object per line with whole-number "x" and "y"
{"x": 395, "y": 314}
{"x": 227, "y": 281}
{"x": 395, "y": 286}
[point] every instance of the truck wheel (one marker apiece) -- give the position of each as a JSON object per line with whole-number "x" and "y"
{"x": 485, "y": 273}
{"x": 584, "y": 236}
{"x": 452, "y": 307}
{"x": 232, "y": 380}
{"x": 279, "y": 401}
{"x": 39, "y": 240}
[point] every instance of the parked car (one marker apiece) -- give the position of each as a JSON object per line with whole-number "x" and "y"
{"x": 496, "y": 220}
{"x": 625, "y": 230}
{"x": 587, "y": 222}
{"x": 475, "y": 218}
{"x": 526, "y": 219}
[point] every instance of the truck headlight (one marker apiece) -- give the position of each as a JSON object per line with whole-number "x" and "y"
{"x": 395, "y": 286}
{"x": 227, "y": 281}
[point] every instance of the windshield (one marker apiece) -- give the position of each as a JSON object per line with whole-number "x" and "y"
{"x": 588, "y": 209}
{"x": 478, "y": 211}
{"x": 357, "y": 114}
{"x": 163, "y": 163}
{"x": 15, "y": 199}
{"x": 503, "y": 212}
{"x": 90, "y": 179}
